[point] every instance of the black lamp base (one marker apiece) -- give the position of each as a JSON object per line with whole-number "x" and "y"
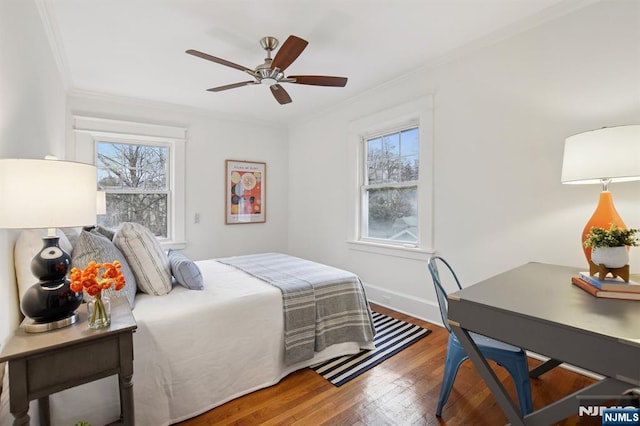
{"x": 51, "y": 300}
{"x": 31, "y": 326}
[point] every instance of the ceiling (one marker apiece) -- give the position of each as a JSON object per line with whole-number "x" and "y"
{"x": 136, "y": 48}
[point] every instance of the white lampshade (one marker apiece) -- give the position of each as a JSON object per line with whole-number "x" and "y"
{"x": 610, "y": 153}
{"x": 46, "y": 193}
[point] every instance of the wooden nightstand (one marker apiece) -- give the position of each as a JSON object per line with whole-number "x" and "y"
{"x": 40, "y": 364}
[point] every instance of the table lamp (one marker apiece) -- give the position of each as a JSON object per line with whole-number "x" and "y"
{"x": 602, "y": 156}
{"x": 48, "y": 194}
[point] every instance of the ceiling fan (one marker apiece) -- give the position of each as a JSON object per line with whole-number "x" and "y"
{"x": 271, "y": 72}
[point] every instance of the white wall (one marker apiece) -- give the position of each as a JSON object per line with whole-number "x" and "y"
{"x": 212, "y": 140}
{"x": 32, "y": 124}
{"x": 35, "y": 120}
{"x": 501, "y": 116}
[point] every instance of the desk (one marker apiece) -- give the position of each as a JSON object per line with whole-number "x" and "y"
{"x": 536, "y": 307}
{"x": 44, "y": 363}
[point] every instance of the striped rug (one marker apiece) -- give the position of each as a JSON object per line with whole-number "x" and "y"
{"x": 392, "y": 336}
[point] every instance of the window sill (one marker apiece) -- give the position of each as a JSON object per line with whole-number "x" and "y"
{"x": 415, "y": 253}
{"x": 175, "y": 245}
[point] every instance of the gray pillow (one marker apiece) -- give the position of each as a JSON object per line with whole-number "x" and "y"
{"x": 186, "y": 273}
{"x": 95, "y": 246}
{"x": 105, "y": 231}
{"x": 145, "y": 256}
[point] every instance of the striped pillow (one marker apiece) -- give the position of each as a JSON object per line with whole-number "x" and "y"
{"x": 145, "y": 256}
{"x": 186, "y": 273}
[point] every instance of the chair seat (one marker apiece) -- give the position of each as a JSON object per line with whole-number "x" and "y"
{"x": 512, "y": 358}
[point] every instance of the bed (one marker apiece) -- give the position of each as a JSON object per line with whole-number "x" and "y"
{"x": 195, "y": 350}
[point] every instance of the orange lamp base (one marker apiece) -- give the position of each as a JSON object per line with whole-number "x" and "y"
{"x": 603, "y": 217}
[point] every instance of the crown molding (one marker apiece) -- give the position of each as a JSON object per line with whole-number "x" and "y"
{"x": 170, "y": 107}
{"x": 561, "y": 9}
{"x": 512, "y": 30}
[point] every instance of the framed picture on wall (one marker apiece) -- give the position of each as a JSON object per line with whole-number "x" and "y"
{"x": 245, "y": 192}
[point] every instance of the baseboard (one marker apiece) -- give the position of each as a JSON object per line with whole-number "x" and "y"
{"x": 425, "y": 310}
{"x": 566, "y": 366}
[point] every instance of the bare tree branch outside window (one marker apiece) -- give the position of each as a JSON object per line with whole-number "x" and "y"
{"x": 136, "y": 180}
{"x": 391, "y": 186}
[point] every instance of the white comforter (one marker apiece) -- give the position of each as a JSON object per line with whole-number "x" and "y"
{"x": 194, "y": 350}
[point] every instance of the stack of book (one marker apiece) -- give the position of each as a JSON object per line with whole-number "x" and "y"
{"x": 610, "y": 288}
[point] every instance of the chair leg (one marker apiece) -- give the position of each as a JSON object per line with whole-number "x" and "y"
{"x": 519, "y": 371}
{"x": 455, "y": 357}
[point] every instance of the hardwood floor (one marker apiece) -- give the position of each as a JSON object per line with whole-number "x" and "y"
{"x": 403, "y": 390}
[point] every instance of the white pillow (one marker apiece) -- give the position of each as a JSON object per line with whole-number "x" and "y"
{"x": 145, "y": 256}
{"x": 28, "y": 244}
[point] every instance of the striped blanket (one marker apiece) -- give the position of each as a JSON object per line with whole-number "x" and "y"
{"x": 322, "y": 305}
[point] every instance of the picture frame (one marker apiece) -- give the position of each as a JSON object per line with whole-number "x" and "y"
{"x": 245, "y": 192}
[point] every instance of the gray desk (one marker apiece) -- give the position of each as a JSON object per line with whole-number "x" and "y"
{"x": 44, "y": 363}
{"x": 536, "y": 307}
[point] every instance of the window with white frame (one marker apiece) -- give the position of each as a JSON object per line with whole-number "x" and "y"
{"x": 141, "y": 169}
{"x": 389, "y": 193}
{"x": 393, "y": 192}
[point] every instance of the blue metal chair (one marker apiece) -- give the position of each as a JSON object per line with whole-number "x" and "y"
{"x": 512, "y": 358}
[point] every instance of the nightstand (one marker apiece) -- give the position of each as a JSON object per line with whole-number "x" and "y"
{"x": 41, "y": 364}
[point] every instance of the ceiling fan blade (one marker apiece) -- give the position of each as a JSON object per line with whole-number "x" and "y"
{"x": 289, "y": 52}
{"x": 280, "y": 94}
{"x": 231, "y": 86}
{"x": 218, "y": 60}
{"x": 319, "y": 80}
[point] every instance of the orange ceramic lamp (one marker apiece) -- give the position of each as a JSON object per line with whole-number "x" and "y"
{"x": 604, "y": 216}
{"x": 602, "y": 156}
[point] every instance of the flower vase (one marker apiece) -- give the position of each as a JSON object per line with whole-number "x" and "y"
{"x": 99, "y": 310}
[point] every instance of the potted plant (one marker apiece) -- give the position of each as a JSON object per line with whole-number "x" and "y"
{"x": 609, "y": 246}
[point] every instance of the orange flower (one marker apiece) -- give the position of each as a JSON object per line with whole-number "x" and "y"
{"x": 90, "y": 280}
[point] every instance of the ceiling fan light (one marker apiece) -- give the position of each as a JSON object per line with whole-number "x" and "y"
{"x": 271, "y": 72}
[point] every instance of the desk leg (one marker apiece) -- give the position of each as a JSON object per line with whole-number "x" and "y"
{"x": 548, "y": 365}
{"x": 490, "y": 378}
{"x": 568, "y": 405}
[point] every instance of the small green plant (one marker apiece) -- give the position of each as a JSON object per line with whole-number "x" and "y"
{"x": 613, "y": 237}
{"x": 83, "y": 423}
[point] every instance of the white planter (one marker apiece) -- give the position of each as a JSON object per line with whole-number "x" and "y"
{"x": 611, "y": 257}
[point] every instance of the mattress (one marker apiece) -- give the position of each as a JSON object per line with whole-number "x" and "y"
{"x": 193, "y": 350}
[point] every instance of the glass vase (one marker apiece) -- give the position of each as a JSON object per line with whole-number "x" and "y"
{"x": 99, "y": 310}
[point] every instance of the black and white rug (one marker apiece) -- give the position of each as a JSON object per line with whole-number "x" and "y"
{"x": 392, "y": 336}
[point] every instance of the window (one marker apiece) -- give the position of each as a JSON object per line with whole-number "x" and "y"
{"x": 141, "y": 169}
{"x": 135, "y": 178}
{"x": 392, "y": 154}
{"x": 390, "y": 186}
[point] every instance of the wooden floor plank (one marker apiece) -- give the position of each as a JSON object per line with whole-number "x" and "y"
{"x": 403, "y": 390}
